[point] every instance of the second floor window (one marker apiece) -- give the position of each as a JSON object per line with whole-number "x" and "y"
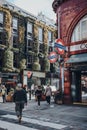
{"x": 50, "y": 37}
{"x": 40, "y": 34}
{"x": 40, "y": 39}
{"x": 29, "y": 29}
{"x": 15, "y": 25}
{"x": 1, "y": 19}
{"x": 50, "y": 41}
{"x": 80, "y": 31}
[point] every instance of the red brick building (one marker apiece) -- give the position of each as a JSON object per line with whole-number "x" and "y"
{"x": 72, "y": 29}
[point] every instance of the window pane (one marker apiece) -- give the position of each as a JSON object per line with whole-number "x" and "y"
{"x": 15, "y": 23}
{"x": 16, "y": 59}
{"x": 80, "y": 31}
{"x": 29, "y": 44}
{"x": 15, "y": 41}
{"x": 40, "y": 34}
{"x": 29, "y": 27}
{"x": 1, "y": 17}
{"x": 84, "y": 29}
{"x": 50, "y": 38}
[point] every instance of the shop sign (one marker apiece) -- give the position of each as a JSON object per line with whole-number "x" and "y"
{"x": 83, "y": 46}
{"x": 78, "y": 47}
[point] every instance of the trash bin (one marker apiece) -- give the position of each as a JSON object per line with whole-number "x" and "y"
{"x": 58, "y": 97}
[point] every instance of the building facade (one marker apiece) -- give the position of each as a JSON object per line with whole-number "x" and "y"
{"x": 72, "y": 29}
{"x": 25, "y": 42}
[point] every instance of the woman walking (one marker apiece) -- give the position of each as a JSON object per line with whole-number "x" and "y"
{"x": 20, "y": 98}
{"x": 48, "y": 93}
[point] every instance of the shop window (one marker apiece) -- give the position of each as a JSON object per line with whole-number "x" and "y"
{"x": 80, "y": 31}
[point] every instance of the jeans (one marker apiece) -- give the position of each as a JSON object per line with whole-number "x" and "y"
{"x": 18, "y": 108}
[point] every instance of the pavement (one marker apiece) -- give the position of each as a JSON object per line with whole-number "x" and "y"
{"x": 45, "y": 117}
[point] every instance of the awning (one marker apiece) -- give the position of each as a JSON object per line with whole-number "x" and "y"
{"x": 77, "y": 58}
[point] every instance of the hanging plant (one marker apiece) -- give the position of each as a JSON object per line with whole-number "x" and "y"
{"x": 21, "y": 34}
{"x": 46, "y": 61}
{"x": 7, "y": 27}
{"x": 45, "y": 49}
{"x": 8, "y": 60}
{"x": 46, "y": 64}
{"x": 23, "y": 64}
{"x": 45, "y": 35}
{"x": 36, "y": 45}
{"x": 36, "y": 66}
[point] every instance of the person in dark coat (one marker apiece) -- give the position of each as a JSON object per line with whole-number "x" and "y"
{"x": 20, "y": 98}
{"x": 38, "y": 93}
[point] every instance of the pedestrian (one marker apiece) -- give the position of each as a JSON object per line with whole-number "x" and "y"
{"x": 48, "y": 93}
{"x": 3, "y": 92}
{"x": 20, "y": 99}
{"x": 38, "y": 94}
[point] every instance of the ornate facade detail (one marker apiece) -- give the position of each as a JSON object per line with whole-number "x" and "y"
{"x": 21, "y": 34}
{"x": 57, "y": 3}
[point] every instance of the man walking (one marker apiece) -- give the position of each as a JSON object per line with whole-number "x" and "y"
{"x": 20, "y": 98}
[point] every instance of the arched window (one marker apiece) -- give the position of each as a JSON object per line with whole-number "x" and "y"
{"x": 80, "y": 31}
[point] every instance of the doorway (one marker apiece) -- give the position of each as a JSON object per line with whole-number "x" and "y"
{"x": 84, "y": 86}
{"x": 79, "y": 87}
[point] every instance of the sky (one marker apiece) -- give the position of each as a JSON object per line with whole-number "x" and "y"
{"x": 36, "y": 6}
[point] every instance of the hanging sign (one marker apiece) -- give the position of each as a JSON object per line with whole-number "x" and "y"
{"x": 29, "y": 73}
{"x": 59, "y": 45}
{"x": 52, "y": 57}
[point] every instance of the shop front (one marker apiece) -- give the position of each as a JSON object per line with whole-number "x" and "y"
{"x": 72, "y": 29}
{"x": 10, "y": 81}
{"x": 78, "y": 73}
{"x": 37, "y": 78}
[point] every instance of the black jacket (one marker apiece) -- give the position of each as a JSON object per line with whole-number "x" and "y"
{"x": 20, "y": 96}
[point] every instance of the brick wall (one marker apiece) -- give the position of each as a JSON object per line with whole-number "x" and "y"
{"x": 71, "y": 12}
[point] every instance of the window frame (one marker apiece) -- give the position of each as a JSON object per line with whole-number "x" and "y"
{"x": 77, "y": 32}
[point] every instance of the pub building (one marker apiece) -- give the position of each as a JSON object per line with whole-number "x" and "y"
{"x": 25, "y": 42}
{"x": 71, "y": 19}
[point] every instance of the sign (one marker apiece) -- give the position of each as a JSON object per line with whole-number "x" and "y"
{"x": 29, "y": 73}
{"x": 52, "y": 57}
{"x": 78, "y": 48}
{"x": 59, "y": 45}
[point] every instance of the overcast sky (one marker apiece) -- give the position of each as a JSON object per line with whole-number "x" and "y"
{"x": 36, "y": 6}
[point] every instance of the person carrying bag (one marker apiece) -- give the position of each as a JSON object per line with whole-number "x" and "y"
{"x": 20, "y": 99}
